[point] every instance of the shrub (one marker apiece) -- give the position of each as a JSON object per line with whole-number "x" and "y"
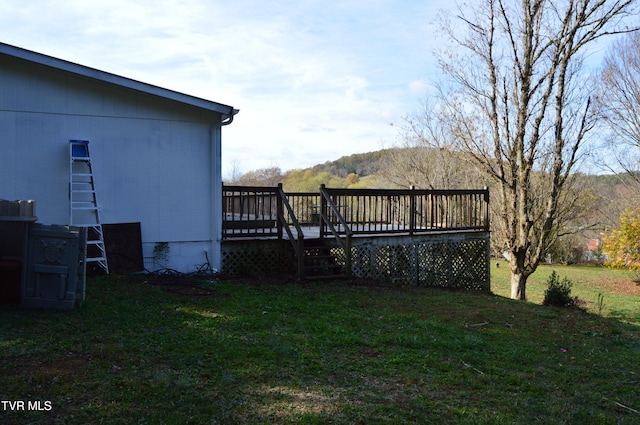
{"x": 622, "y": 246}
{"x": 558, "y": 291}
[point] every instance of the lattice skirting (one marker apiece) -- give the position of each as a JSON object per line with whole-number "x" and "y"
{"x": 256, "y": 258}
{"x": 456, "y": 264}
{"x": 449, "y": 261}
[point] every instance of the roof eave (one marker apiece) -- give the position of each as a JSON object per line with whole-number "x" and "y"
{"x": 95, "y": 74}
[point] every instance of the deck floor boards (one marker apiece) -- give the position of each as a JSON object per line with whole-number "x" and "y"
{"x": 313, "y": 232}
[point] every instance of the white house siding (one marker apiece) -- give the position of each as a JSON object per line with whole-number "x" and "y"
{"x": 152, "y": 157}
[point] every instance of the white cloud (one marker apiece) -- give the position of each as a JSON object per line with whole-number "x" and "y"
{"x": 419, "y": 88}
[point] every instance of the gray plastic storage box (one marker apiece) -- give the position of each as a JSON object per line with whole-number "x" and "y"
{"x": 52, "y": 268}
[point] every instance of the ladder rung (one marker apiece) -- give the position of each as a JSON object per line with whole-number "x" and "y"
{"x": 94, "y": 259}
{"x": 84, "y": 208}
{"x": 82, "y": 175}
{"x": 95, "y": 242}
{"x": 83, "y": 190}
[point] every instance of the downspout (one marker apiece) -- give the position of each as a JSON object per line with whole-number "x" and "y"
{"x": 215, "y": 141}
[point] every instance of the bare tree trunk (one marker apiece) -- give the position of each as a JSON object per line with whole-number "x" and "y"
{"x": 518, "y": 286}
{"x": 520, "y": 272}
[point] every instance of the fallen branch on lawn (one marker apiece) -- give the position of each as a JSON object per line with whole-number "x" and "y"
{"x": 623, "y": 406}
{"x": 471, "y": 367}
{"x": 475, "y": 325}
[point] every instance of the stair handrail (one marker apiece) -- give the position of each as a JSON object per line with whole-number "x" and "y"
{"x": 346, "y": 244}
{"x": 297, "y": 243}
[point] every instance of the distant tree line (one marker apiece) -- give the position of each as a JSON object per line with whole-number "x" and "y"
{"x": 604, "y": 197}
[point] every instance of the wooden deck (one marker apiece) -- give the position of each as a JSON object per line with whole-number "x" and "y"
{"x": 332, "y": 232}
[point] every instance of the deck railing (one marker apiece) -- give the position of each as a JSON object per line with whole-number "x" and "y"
{"x": 413, "y": 211}
{"x": 250, "y": 211}
{"x": 305, "y": 207}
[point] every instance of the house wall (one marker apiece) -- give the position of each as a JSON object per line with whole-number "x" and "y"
{"x": 152, "y": 157}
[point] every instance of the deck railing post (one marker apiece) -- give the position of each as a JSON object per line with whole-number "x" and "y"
{"x": 486, "y": 208}
{"x": 412, "y": 210}
{"x": 432, "y": 210}
{"x": 324, "y": 211}
{"x": 279, "y": 211}
{"x": 224, "y": 211}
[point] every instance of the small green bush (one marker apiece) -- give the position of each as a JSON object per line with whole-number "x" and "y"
{"x": 558, "y": 291}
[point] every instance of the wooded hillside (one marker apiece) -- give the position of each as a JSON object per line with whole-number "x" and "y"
{"x": 603, "y": 197}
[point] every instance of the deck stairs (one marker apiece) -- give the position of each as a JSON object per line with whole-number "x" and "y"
{"x": 317, "y": 257}
{"x": 318, "y": 260}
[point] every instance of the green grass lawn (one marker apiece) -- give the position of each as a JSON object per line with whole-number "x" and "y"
{"x": 326, "y": 353}
{"x": 620, "y": 295}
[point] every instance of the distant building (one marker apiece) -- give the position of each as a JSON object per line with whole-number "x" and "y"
{"x": 590, "y": 254}
{"x": 155, "y": 152}
{"x": 593, "y": 245}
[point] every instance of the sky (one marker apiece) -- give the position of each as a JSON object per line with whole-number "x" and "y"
{"x": 313, "y": 80}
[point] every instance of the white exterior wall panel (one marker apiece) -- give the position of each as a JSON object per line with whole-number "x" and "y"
{"x": 152, "y": 158}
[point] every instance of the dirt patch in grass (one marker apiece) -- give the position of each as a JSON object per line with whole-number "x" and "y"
{"x": 188, "y": 285}
{"x": 189, "y": 289}
{"x": 620, "y": 286}
{"x": 256, "y": 281}
{"x": 283, "y": 401}
{"x": 53, "y": 368}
